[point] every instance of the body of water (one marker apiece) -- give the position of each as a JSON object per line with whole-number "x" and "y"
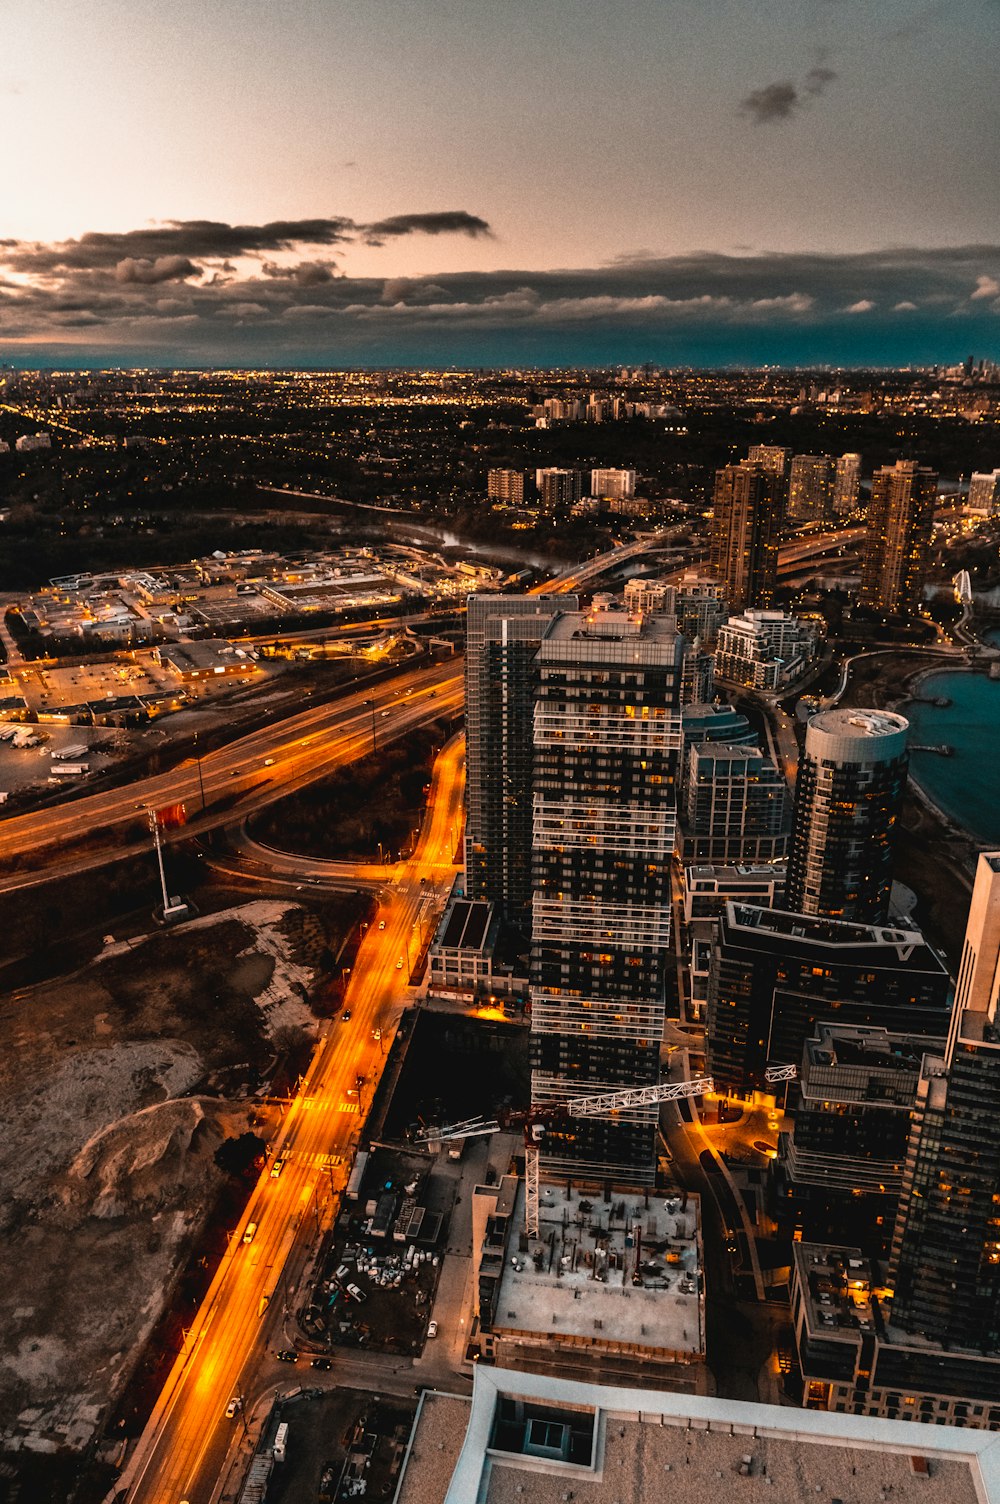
{"x": 966, "y": 786}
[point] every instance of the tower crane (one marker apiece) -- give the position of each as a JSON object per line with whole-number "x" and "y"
{"x": 539, "y": 1118}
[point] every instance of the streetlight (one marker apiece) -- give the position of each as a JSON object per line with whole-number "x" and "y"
{"x": 201, "y": 780}
{"x": 371, "y": 705}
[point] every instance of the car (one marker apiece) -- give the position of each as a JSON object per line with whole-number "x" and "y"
{"x": 376, "y": 1034}
{"x": 345, "y": 1017}
{"x": 399, "y": 964}
{"x": 432, "y": 1328}
{"x": 384, "y": 714}
{"x": 324, "y": 1363}
{"x": 381, "y": 924}
{"x": 277, "y": 1167}
{"x": 287, "y": 1355}
{"x": 234, "y": 1407}
{"x": 356, "y": 1293}
{"x": 250, "y": 1233}
{"x": 434, "y": 694}
{"x": 269, "y": 762}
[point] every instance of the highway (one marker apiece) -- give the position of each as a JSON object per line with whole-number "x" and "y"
{"x": 189, "y": 1445}
{"x": 237, "y": 779}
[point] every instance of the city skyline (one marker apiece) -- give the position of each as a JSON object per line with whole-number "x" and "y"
{"x": 307, "y": 186}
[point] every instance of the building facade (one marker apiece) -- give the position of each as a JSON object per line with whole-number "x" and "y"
{"x": 512, "y": 487}
{"x": 897, "y": 549}
{"x": 746, "y": 524}
{"x": 765, "y": 650}
{"x": 607, "y": 762}
{"x": 558, "y": 489}
{"x": 612, "y": 483}
{"x": 848, "y": 797}
{"x": 736, "y": 806}
{"x": 984, "y": 492}
{"x": 775, "y": 976}
{"x": 810, "y": 488}
{"x": 502, "y": 637}
{"x": 946, "y": 1247}
{"x": 846, "y": 485}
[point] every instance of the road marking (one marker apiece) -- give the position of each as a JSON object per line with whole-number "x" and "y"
{"x": 348, "y": 1107}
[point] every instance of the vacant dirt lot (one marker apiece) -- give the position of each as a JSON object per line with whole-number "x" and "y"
{"x": 117, "y": 1086}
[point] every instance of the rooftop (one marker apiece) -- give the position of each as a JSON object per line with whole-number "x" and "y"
{"x": 523, "y": 1439}
{"x": 862, "y": 724}
{"x": 892, "y": 946}
{"x": 578, "y": 1278}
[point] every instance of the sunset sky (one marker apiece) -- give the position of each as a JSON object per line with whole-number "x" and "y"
{"x": 499, "y": 181}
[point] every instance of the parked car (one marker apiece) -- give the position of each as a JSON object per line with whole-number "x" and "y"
{"x": 432, "y": 1328}
{"x": 234, "y": 1407}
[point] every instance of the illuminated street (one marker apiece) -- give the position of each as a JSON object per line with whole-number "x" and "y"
{"x": 184, "y": 1450}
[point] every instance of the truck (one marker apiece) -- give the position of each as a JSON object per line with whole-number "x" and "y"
{"x": 70, "y": 754}
{"x": 281, "y": 1442}
{"x": 68, "y": 770}
{"x": 353, "y": 1190}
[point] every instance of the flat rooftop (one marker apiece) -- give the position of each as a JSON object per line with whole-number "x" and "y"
{"x": 466, "y": 925}
{"x": 860, "y": 723}
{"x": 533, "y": 1439}
{"x": 577, "y": 1278}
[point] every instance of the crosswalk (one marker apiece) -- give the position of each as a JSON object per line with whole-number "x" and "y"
{"x": 317, "y": 1161}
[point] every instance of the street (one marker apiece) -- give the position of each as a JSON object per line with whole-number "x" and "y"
{"x": 228, "y": 1350}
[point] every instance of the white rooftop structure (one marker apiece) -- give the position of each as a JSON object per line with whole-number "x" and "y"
{"x": 531, "y": 1439}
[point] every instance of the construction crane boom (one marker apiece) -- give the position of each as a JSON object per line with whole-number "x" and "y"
{"x": 536, "y": 1119}
{"x": 640, "y": 1096}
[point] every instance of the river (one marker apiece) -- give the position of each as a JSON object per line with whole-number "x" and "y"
{"x": 967, "y": 785}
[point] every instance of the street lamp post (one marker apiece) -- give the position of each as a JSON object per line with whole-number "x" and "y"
{"x": 201, "y": 779}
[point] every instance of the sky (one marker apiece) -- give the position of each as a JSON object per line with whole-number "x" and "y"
{"x": 493, "y": 182}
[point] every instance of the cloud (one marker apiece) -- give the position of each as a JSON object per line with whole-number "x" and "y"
{"x": 308, "y": 308}
{"x": 986, "y": 287}
{"x": 451, "y": 222}
{"x": 773, "y": 102}
{"x": 200, "y": 240}
{"x": 148, "y": 273}
{"x": 781, "y": 100}
{"x": 302, "y": 273}
{"x": 818, "y": 79}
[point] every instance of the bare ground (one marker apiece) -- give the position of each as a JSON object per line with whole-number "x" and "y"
{"x": 112, "y": 1106}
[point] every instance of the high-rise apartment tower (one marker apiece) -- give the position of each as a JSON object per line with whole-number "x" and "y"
{"x": 900, "y": 524}
{"x": 607, "y": 760}
{"x": 503, "y": 633}
{"x": 746, "y": 522}
{"x": 848, "y": 795}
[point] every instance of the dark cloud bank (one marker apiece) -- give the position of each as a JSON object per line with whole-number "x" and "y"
{"x": 203, "y": 293}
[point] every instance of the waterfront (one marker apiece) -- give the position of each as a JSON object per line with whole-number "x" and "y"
{"x": 965, "y": 785}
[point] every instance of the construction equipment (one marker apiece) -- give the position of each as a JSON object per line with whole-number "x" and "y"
{"x": 537, "y": 1119}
